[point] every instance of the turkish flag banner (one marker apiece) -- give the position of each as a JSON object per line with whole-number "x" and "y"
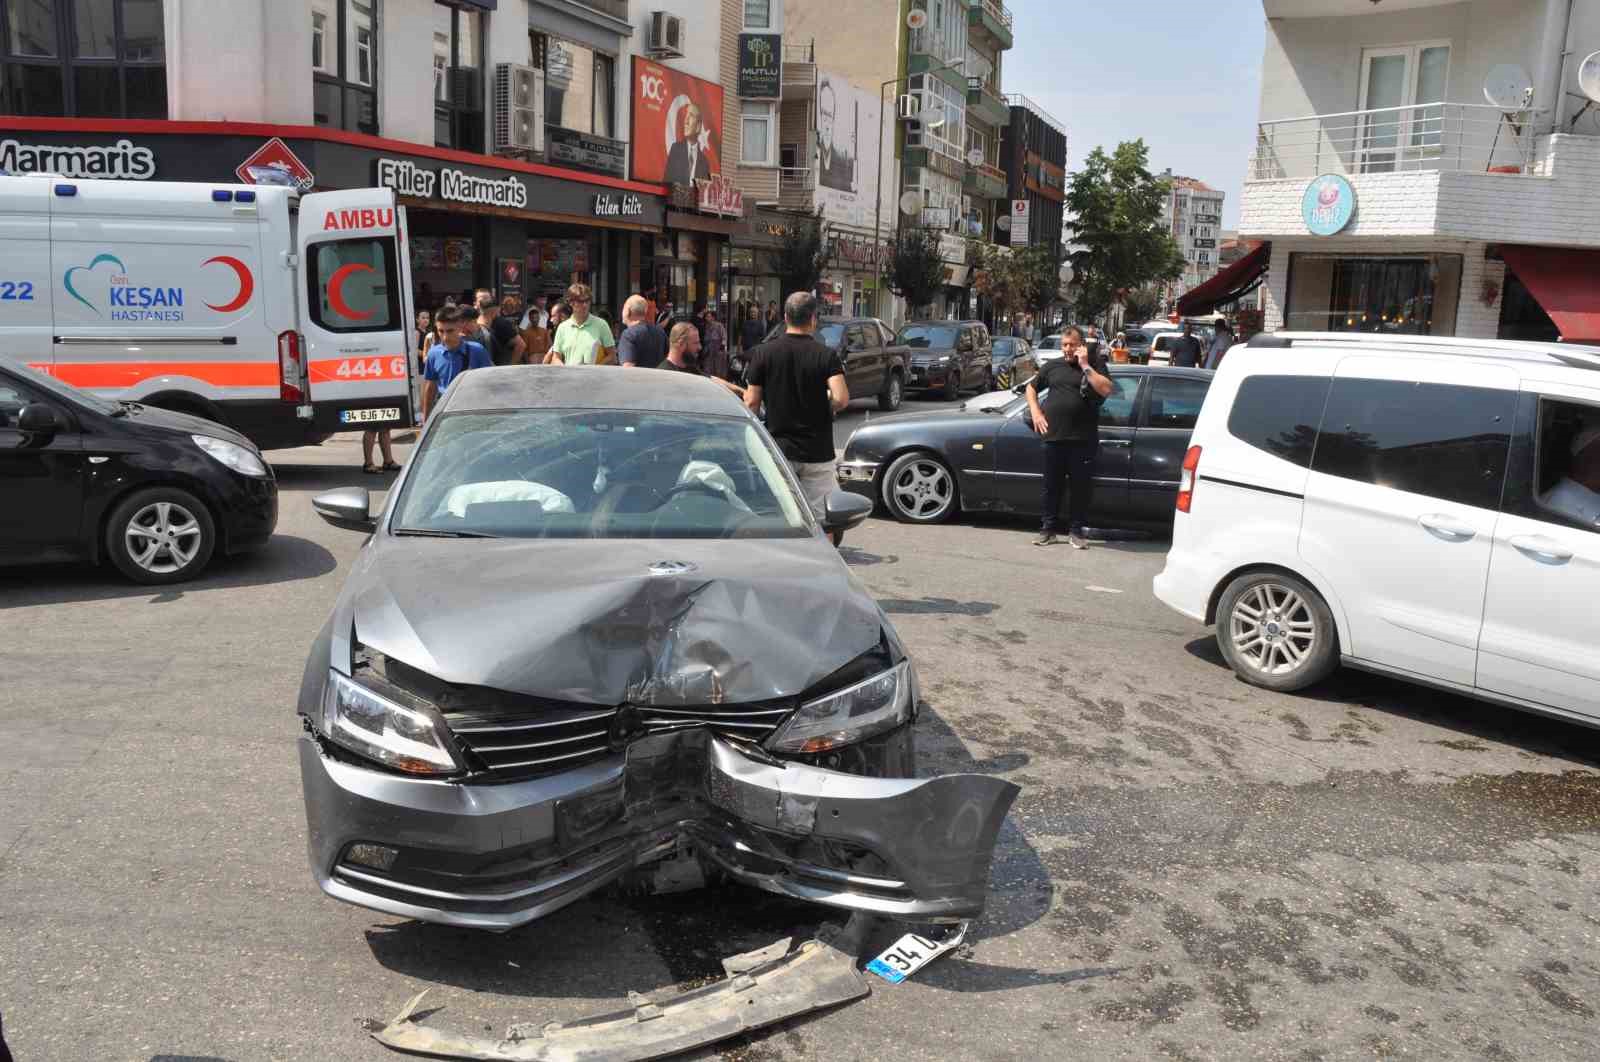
{"x": 677, "y": 125}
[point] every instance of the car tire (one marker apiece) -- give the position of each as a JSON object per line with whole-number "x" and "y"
{"x": 160, "y": 535}
{"x": 1276, "y": 632}
{"x": 919, "y": 488}
{"x": 893, "y": 393}
{"x": 952, "y": 385}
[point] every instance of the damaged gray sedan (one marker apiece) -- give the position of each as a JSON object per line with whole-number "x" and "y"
{"x": 596, "y": 632}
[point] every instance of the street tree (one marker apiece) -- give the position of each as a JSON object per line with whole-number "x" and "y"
{"x": 916, "y": 272}
{"x": 801, "y": 255}
{"x": 1117, "y": 204}
{"x": 1021, "y": 280}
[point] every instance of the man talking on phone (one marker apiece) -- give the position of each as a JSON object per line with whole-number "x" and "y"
{"x": 1067, "y": 419}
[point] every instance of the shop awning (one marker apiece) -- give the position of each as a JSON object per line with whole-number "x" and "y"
{"x": 1229, "y": 285}
{"x": 1563, "y": 280}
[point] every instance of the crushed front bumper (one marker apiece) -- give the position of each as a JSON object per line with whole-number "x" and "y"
{"x": 499, "y": 856}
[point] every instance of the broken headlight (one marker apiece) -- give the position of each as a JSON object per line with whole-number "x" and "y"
{"x": 852, "y": 714}
{"x": 372, "y": 725}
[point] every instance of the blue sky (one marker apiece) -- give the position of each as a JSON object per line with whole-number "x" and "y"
{"x": 1185, "y": 76}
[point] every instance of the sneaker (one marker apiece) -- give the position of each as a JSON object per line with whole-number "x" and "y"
{"x": 1046, "y": 538}
{"x": 1077, "y": 541}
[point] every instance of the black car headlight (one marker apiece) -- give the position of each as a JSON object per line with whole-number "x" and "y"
{"x": 844, "y": 717}
{"x": 407, "y": 738}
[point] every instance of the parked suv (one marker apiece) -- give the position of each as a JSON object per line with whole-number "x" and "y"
{"x": 875, "y": 363}
{"x": 947, "y": 356}
{"x": 1427, "y": 508}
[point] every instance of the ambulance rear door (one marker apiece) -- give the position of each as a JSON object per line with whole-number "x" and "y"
{"x": 356, "y": 323}
{"x": 25, "y": 290}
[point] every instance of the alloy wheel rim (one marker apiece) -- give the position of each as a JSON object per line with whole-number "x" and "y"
{"x": 894, "y": 390}
{"x": 923, "y": 489}
{"x": 163, "y": 537}
{"x": 1273, "y": 629}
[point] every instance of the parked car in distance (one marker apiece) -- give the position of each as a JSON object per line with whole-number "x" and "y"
{"x": 875, "y": 365}
{"x": 1048, "y": 349}
{"x": 925, "y": 467}
{"x": 1426, "y": 508}
{"x": 1138, "y": 344}
{"x": 157, "y": 493}
{"x": 1011, "y": 362}
{"x": 707, "y": 682}
{"x": 947, "y": 356}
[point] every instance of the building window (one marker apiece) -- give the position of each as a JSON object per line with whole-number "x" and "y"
{"x": 756, "y": 130}
{"x": 88, "y": 59}
{"x": 457, "y": 78}
{"x": 605, "y": 95}
{"x": 757, "y": 14}
{"x": 580, "y": 85}
{"x": 945, "y": 35}
{"x": 942, "y": 120}
{"x": 1395, "y": 295}
{"x": 343, "y": 89}
{"x": 1405, "y": 85}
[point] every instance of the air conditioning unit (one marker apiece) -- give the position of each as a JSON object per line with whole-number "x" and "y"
{"x": 908, "y": 107}
{"x": 666, "y": 35}
{"x": 518, "y": 109}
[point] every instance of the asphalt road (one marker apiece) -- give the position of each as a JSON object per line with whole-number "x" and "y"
{"x": 1195, "y": 869}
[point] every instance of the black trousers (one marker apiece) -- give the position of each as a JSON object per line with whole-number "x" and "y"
{"x": 1069, "y": 461}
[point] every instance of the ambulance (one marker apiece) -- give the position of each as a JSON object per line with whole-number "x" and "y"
{"x": 284, "y": 316}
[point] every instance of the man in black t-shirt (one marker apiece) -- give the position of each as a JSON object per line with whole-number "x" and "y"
{"x": 802, "y": 383}
{"x": 509, "y": 349}
{"x": 683, "y": 355}
{"x": 1186, "y": 349}
{"x": 642, "y": 343}
{"x": 1068, "y": 420}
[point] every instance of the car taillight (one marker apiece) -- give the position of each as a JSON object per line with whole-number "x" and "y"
{"x": 291, "y": 368}
{"x": 1191, "y": 469}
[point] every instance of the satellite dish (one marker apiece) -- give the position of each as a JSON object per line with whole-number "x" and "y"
{"x": 1003, "y": 222}
{"x": 910, "y": 203}
{"x": 916, "y": 19}
{"x": 974, "y": 157}
{"x": 1508, "y": 87}
{"x": 1066, "y": 273}
{"x": 1589, "y": 76}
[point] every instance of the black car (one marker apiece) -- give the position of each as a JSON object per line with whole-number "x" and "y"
{"x": 874, "y": 363}
{"x": 923, "y": 467}
{"x": 1011, "y": 361}
{"x": 155, "y": 492}
{"x": 705, "y": 680}
{"x": 947, "y": 356}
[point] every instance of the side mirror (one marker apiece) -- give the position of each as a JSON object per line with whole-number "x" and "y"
{"x": 347, "y": 507}
{"x": 40, "y": 419}
{"x": 844, "y": 510}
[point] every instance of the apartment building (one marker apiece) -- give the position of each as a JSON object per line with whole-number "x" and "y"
{"x": 1033, "y": 154}
{"x": 1194, "y": 211}
{"x": 533, "y": 142}
{"x": 1426, "y": 167}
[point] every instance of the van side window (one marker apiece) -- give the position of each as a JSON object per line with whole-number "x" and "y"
{"x": 1564, "y": 461}
{"x": 1279, "y": 414}
{"x": 1444, "y": 441}
{"x": 353, "y": 286}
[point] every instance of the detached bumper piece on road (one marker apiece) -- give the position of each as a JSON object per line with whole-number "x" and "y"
{"x": 499, "y": 856}
{"x": 762, "y": 988}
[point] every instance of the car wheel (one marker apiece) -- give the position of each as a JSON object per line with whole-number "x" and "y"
{"x": 952, "y": 385}
{"x": 894, "y": 390}
{"x": 1276, "y": 632}
{"x": 161, "y": 535}
{"x": 919, "y": 488}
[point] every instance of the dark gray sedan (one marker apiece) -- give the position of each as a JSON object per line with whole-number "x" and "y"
{"x": 596, "y": 629}
{"x": 925, "y": 467}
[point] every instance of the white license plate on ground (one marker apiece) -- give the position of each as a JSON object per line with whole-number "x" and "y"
{"x": 367, "y": 416}
{"x": 911, "y": 953}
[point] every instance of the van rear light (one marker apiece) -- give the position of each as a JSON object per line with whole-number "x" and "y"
{"x": 1191, "y": 471}
{"x": 291, "y": 367}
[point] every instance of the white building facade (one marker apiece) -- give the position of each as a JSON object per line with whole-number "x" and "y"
{"x": 1397, "y": 198}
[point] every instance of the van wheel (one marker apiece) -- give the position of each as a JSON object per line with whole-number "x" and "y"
{"x": 1276, "y": 632}
{"x": 894, "y": 390}
{"x": 161, "y": 535}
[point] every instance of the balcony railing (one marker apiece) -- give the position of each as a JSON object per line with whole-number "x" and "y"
{"x": 1442, "y": 137}
{"x": 796, "y": 178}
{"x": 999, "y": 11}
{"x": 800, "y": 53}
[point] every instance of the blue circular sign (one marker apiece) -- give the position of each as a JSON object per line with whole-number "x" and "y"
{"x": 1328, "y": 204}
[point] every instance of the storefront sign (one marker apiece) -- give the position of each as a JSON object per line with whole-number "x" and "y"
{"x": 952, "y": 249}
{"x": 719, "y": 195}
{"x": 124, "y": 159}
{"x": 457, "y": 186}
{"x": 1328, "y": 204}
{"x": 760, "y": 65}
{"x": 611, "y": 205}
{"x": 1021, "y": 213}
{"x": 274, "y": 163}
{"x": 584, "y": 151}
{"x": 677, "y": 125}
{"x": 858, "y": 250}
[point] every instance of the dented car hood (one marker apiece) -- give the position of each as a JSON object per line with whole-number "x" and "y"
{"x": 612, "y": 621}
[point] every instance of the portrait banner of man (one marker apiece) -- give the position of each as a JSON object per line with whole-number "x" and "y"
{"x": 838, "y": 120}
{"x": 677, "y": 125}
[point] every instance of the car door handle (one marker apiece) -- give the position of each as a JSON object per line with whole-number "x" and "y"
{"x": 1544, "y": 550}
{"x": 1447, "y": 527}
{"x": 1116, "y": 442}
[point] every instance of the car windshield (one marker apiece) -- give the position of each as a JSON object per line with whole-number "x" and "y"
{"x": 587, "y": 473}
{"x": 829, "y": 335}
{"x": 1050, "y": 343}
{"x": 1004, "y": 348}
{"x": 922, "y": 337}
{"x": 45, "y": 382}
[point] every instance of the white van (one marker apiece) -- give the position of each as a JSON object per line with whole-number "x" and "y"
{"x": 285, "y": 317}
{"x": 1427, "y": 508}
